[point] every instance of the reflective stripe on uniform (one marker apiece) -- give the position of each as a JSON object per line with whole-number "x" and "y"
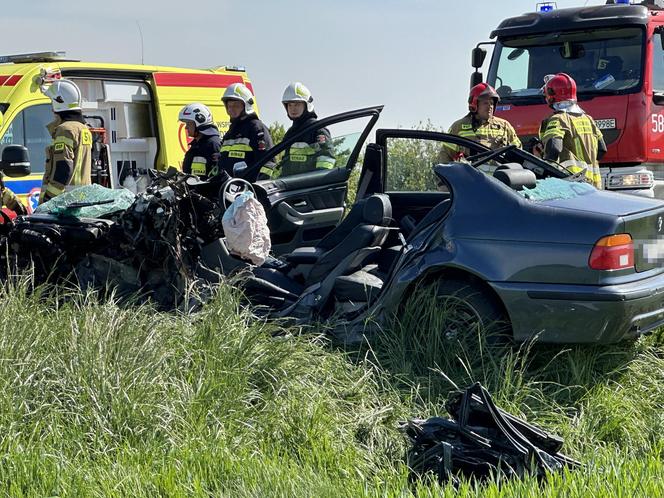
{"x": 591, "y": 174}
{"x": 198, "y": 166}
{"x": 325, "y": 162}
{"x": 236, "y": 147}
{"x": 553, "y": 130}
{"x": 77, "y": 178}
{"x": 64, "y": 140}
{"x": 454, "y": 148}
{"x": 267, "y": 171}
{"x": 54, "y": 191}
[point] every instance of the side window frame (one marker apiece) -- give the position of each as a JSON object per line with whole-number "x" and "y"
{"x": 657, "y": 63}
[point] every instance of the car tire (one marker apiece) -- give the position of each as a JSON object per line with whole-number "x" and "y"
{"x": 471, "y": 307}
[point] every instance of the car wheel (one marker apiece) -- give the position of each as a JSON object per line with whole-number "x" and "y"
{"x": 471, "y": 309}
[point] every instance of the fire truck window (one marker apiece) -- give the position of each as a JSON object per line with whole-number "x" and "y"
{"x": 514, "y": 63}
{"x": 658, "y": 64}
{"x": 29, "y": 128}
{"x": 601, "y": 61}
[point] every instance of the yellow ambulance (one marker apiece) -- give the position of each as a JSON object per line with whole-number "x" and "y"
{"x": 131, "y": 109}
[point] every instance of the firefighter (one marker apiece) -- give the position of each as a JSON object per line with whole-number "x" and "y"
{"x": 480, "y": 125}
{"x": 69, "y": 157}
{"x": 203, "y": 154}
{"x": 10, "y": 199}
{"x": 312, "y": 151}
{"x": 247, "y": 137}
{"x": 569, "y": 135}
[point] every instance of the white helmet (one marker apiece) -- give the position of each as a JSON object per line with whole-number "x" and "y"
{"x": 198, "y": 113}
{"x": 238, "y": 91}
{"x": 297, "y": 92}
{"x": 64, "y": 95}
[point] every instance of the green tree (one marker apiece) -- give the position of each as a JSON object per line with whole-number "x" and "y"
{"x": 277, "y": 132}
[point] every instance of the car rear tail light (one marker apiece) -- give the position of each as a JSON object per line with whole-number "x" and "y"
{"x": 615, "y": 252}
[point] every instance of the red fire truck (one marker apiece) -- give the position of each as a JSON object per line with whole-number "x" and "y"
{"x": 615, "y": 52}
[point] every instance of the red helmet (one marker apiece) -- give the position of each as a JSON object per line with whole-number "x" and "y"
{"x": 559, "y": 88}
{"x": 481, "y": 90}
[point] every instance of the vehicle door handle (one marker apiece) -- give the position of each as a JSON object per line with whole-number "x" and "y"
{"x": 299, "y": 218}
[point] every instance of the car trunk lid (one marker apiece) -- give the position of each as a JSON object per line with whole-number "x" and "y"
{"x": 643, "y": 219}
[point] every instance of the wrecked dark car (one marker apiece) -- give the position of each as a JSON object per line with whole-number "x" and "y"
{"x": 511, "y": 238}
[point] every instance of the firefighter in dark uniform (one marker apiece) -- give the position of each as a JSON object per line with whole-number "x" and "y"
{"x": 480, "y": 125}
{"x": 570, "y": 136}
{"x": 69, "y": 157}
{"x": 203, "y": 153}
{"x": 247, "y": 137}
{"x": 10, "y": 199}
{"x": 313, "y": 151}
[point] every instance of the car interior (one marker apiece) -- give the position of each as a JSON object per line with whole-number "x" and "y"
{"x": 348, "y": 268}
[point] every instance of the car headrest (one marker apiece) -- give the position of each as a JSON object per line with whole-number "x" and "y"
{"x": 378, "y": 210}
{"x": 510, "y": 166}
{"x": 516, "y": 178}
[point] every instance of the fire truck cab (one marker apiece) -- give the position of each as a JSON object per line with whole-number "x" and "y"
{"x": 615, "y": 52}
{"x": 132, "y": 111}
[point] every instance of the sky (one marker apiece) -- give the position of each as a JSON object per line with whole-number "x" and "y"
{"x": 413, "y": 56}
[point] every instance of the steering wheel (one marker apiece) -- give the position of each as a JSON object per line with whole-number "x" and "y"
{"x": 233, "y": 188}
{"x": 493, "y": 154}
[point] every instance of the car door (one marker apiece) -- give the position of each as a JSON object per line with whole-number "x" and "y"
{"x": 400, "y": 163}
{"x": 302, "y": 208}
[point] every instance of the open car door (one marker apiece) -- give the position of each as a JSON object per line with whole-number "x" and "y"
{"x": 302, "y": 208}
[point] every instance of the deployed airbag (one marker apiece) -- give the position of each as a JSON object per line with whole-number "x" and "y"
{"x": 246, "y": 230}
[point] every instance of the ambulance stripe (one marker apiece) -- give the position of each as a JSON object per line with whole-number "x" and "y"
{"x": 10, "y": 80}
{"x": 197, "y": 80}
{"x": 22, "y": 186}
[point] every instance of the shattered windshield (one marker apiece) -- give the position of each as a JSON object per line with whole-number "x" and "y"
{"x": 603, "y": 61}
{"x": 554, "y": 188}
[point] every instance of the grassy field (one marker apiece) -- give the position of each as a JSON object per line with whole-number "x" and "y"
{"x": 101, "y": 400}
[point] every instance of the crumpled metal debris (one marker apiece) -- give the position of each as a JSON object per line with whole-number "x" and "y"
{"x": 149, "y": 250}
{"x": 481, "y": 441}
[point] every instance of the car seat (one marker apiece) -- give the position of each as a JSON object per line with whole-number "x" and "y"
{"x": 342, "y": 251}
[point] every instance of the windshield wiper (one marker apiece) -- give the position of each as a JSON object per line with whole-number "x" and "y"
{"x": 595, "y": 92}
{"x": 521, "y": 99}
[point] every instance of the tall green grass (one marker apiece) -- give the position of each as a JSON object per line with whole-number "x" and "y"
{"x": 98, "y": 399}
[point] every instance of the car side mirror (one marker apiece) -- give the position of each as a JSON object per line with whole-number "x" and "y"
{"x": 477, "y": 57}
{"x": 15, "y": 161}
{"x": 239, "y": 168}
{"x": 476, "y": 78}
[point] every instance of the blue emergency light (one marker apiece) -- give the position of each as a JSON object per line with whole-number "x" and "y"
{"x": 625, "y": 2}
{"x": 546, "y": 6}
